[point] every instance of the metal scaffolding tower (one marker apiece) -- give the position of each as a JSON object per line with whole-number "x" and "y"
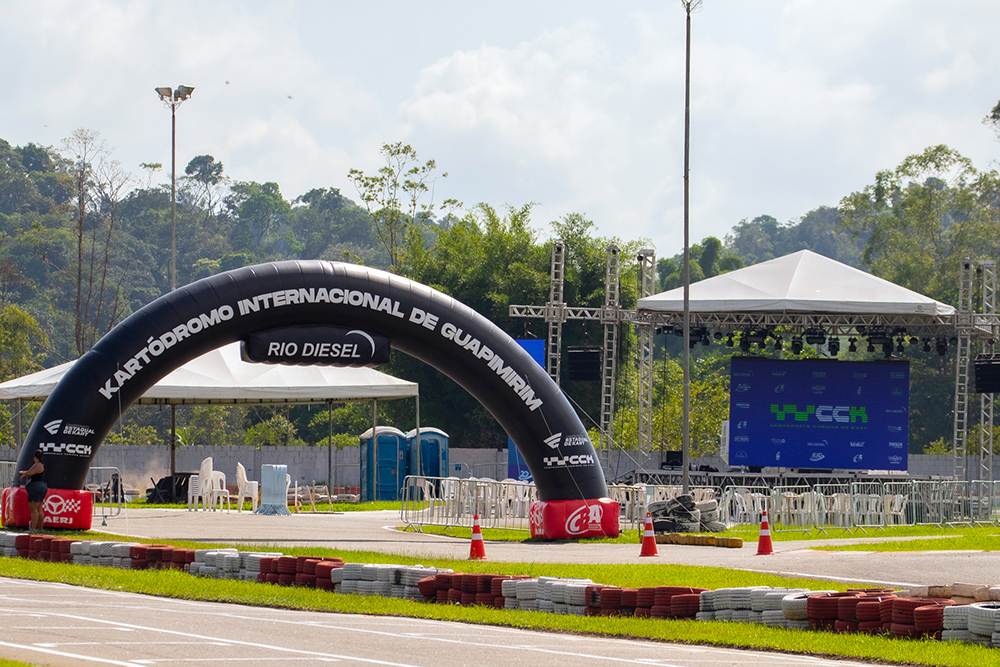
{"x": 963, "y": 358}
{"x": 988, "y": 271}
{"x": 609, "y": 361}
{"x": 555, "y": 311}
{"x": 647, "y": 285}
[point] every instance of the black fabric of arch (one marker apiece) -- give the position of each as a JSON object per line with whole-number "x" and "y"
{"x": 419, "y": 321}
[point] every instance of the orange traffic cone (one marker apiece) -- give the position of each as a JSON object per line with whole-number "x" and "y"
{"x": 478, "y": 549}
{"x": 648, "y": 539}
{"x": 764, "y": 547}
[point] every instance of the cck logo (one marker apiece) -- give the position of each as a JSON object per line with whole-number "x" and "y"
{"x": 575, "y": 461}
{"x": 553, "y": 440}
{"x": 583, "y": 518}
{"x": 70, "y": 448}
{"x": 842, "y": 414}
{"x": 817, "y": 456}
{"x": 53, "y": 426}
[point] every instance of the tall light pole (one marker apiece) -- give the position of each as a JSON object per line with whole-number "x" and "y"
{"x": 173, "y": 99}
{"x": 689, "y": 6}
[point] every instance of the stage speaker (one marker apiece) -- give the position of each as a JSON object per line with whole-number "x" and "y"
{"x": 987, "y": 370}
{"x": 583, "y": 364}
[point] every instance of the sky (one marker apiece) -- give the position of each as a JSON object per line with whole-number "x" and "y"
{"x": 577, "y": 106}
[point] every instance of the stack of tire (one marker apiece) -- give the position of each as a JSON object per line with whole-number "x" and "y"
{"x": 683, "y": 515}
{"x": 918, "y": 617}
{"x": 984, "y": 623}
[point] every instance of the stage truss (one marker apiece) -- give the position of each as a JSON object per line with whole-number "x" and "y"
{"x": 974, "y": 326}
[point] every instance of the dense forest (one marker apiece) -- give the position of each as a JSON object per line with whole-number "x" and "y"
{"x": 84, "y": 242}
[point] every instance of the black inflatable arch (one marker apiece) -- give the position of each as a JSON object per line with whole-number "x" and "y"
{"x": 419, "y": 321}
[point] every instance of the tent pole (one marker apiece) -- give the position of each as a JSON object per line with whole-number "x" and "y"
{"x": 173, "y": 452}
{"x": 419, "y": 470}
{"x": 374, "y": 464}
{"x": 329, "y": 442}
{"x": 20, "y": 407}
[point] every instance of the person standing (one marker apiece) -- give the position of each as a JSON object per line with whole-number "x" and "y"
{"x": 37, "y": 489}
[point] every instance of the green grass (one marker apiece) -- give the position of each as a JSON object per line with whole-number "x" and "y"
{"x": 175, "y": 584}
{"x": 973, "y": 539}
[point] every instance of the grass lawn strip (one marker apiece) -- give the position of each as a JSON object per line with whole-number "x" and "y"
{"x": 177, "y": 584}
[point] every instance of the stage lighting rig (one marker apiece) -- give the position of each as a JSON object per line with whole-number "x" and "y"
{"x": 852, "y": 344}
{"x": 941, "y": 346}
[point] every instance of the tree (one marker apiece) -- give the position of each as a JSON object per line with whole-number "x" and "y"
{"x": 394, "y": 197}
{"x": 205, "y": 179}
{"x": 100, "y": 184}
{"x": 925, "y": 216}
{"x": 260, "y": 213}
{"x": 20, "y": 336}
{"x": 992, "y": 119}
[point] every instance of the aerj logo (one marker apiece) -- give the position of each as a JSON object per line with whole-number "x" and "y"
{"x": 825, "y": 413}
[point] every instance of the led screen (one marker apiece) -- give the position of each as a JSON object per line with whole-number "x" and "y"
{"x": 819, "y": 414}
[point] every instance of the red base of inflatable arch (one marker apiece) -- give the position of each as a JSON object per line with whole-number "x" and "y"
{"x": 563, "y": 519}
{"x": 63, "y": 508}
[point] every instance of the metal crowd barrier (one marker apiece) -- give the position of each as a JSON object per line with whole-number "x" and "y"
{"x": 108, "y": 491}
{"x": 450, "y": 501}
{"x": 8, "y": 473}
{"x": 857, "y": 506}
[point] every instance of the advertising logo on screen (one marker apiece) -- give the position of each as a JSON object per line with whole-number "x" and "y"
{"x": 819, "y": 414}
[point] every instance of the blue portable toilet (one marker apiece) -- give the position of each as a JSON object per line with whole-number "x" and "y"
{"x": 433, "y": 451}
{"x": 383, "y": 463}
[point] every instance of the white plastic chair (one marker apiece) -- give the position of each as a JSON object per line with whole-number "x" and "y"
{"x": 245, "y": 488}
{"x": 213, "y": 484}
{"x": 194, "y": 492}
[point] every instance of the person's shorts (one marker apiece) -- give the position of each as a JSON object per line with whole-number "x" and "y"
{"x": 36, "y": 491}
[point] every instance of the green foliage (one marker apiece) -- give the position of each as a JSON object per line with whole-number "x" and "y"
{"x": 925, "y": 216}
{"x": 394, "y": 198}
{"x": 133, "y": 434}
{"x": 764, "y": 238}
{"x": 275, "y": 431}
{"x": 20, "y": 336}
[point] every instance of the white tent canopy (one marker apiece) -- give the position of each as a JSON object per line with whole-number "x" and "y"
{"x": 222, "y": 377}
{"x": 800, "y": 282}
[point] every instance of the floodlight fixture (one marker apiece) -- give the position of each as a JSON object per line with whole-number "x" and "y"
{"x": 796, "y": 345}
{"x": 718, "y": 335}
{"x": 887, "y": 349}
{"x": 815, "y": 336}
{"x": 927, "y": 345}
{"x": 172, "y": 100}
{"x": 899, "y": 345}
{"x": 778, "y": 344}
{"x": 941, "y": 346}
{"x": 744, "y": 344}
{"x": 833, "y": 346}
{"x": 852, "y": 344}
{"x": 871, "y": 345}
